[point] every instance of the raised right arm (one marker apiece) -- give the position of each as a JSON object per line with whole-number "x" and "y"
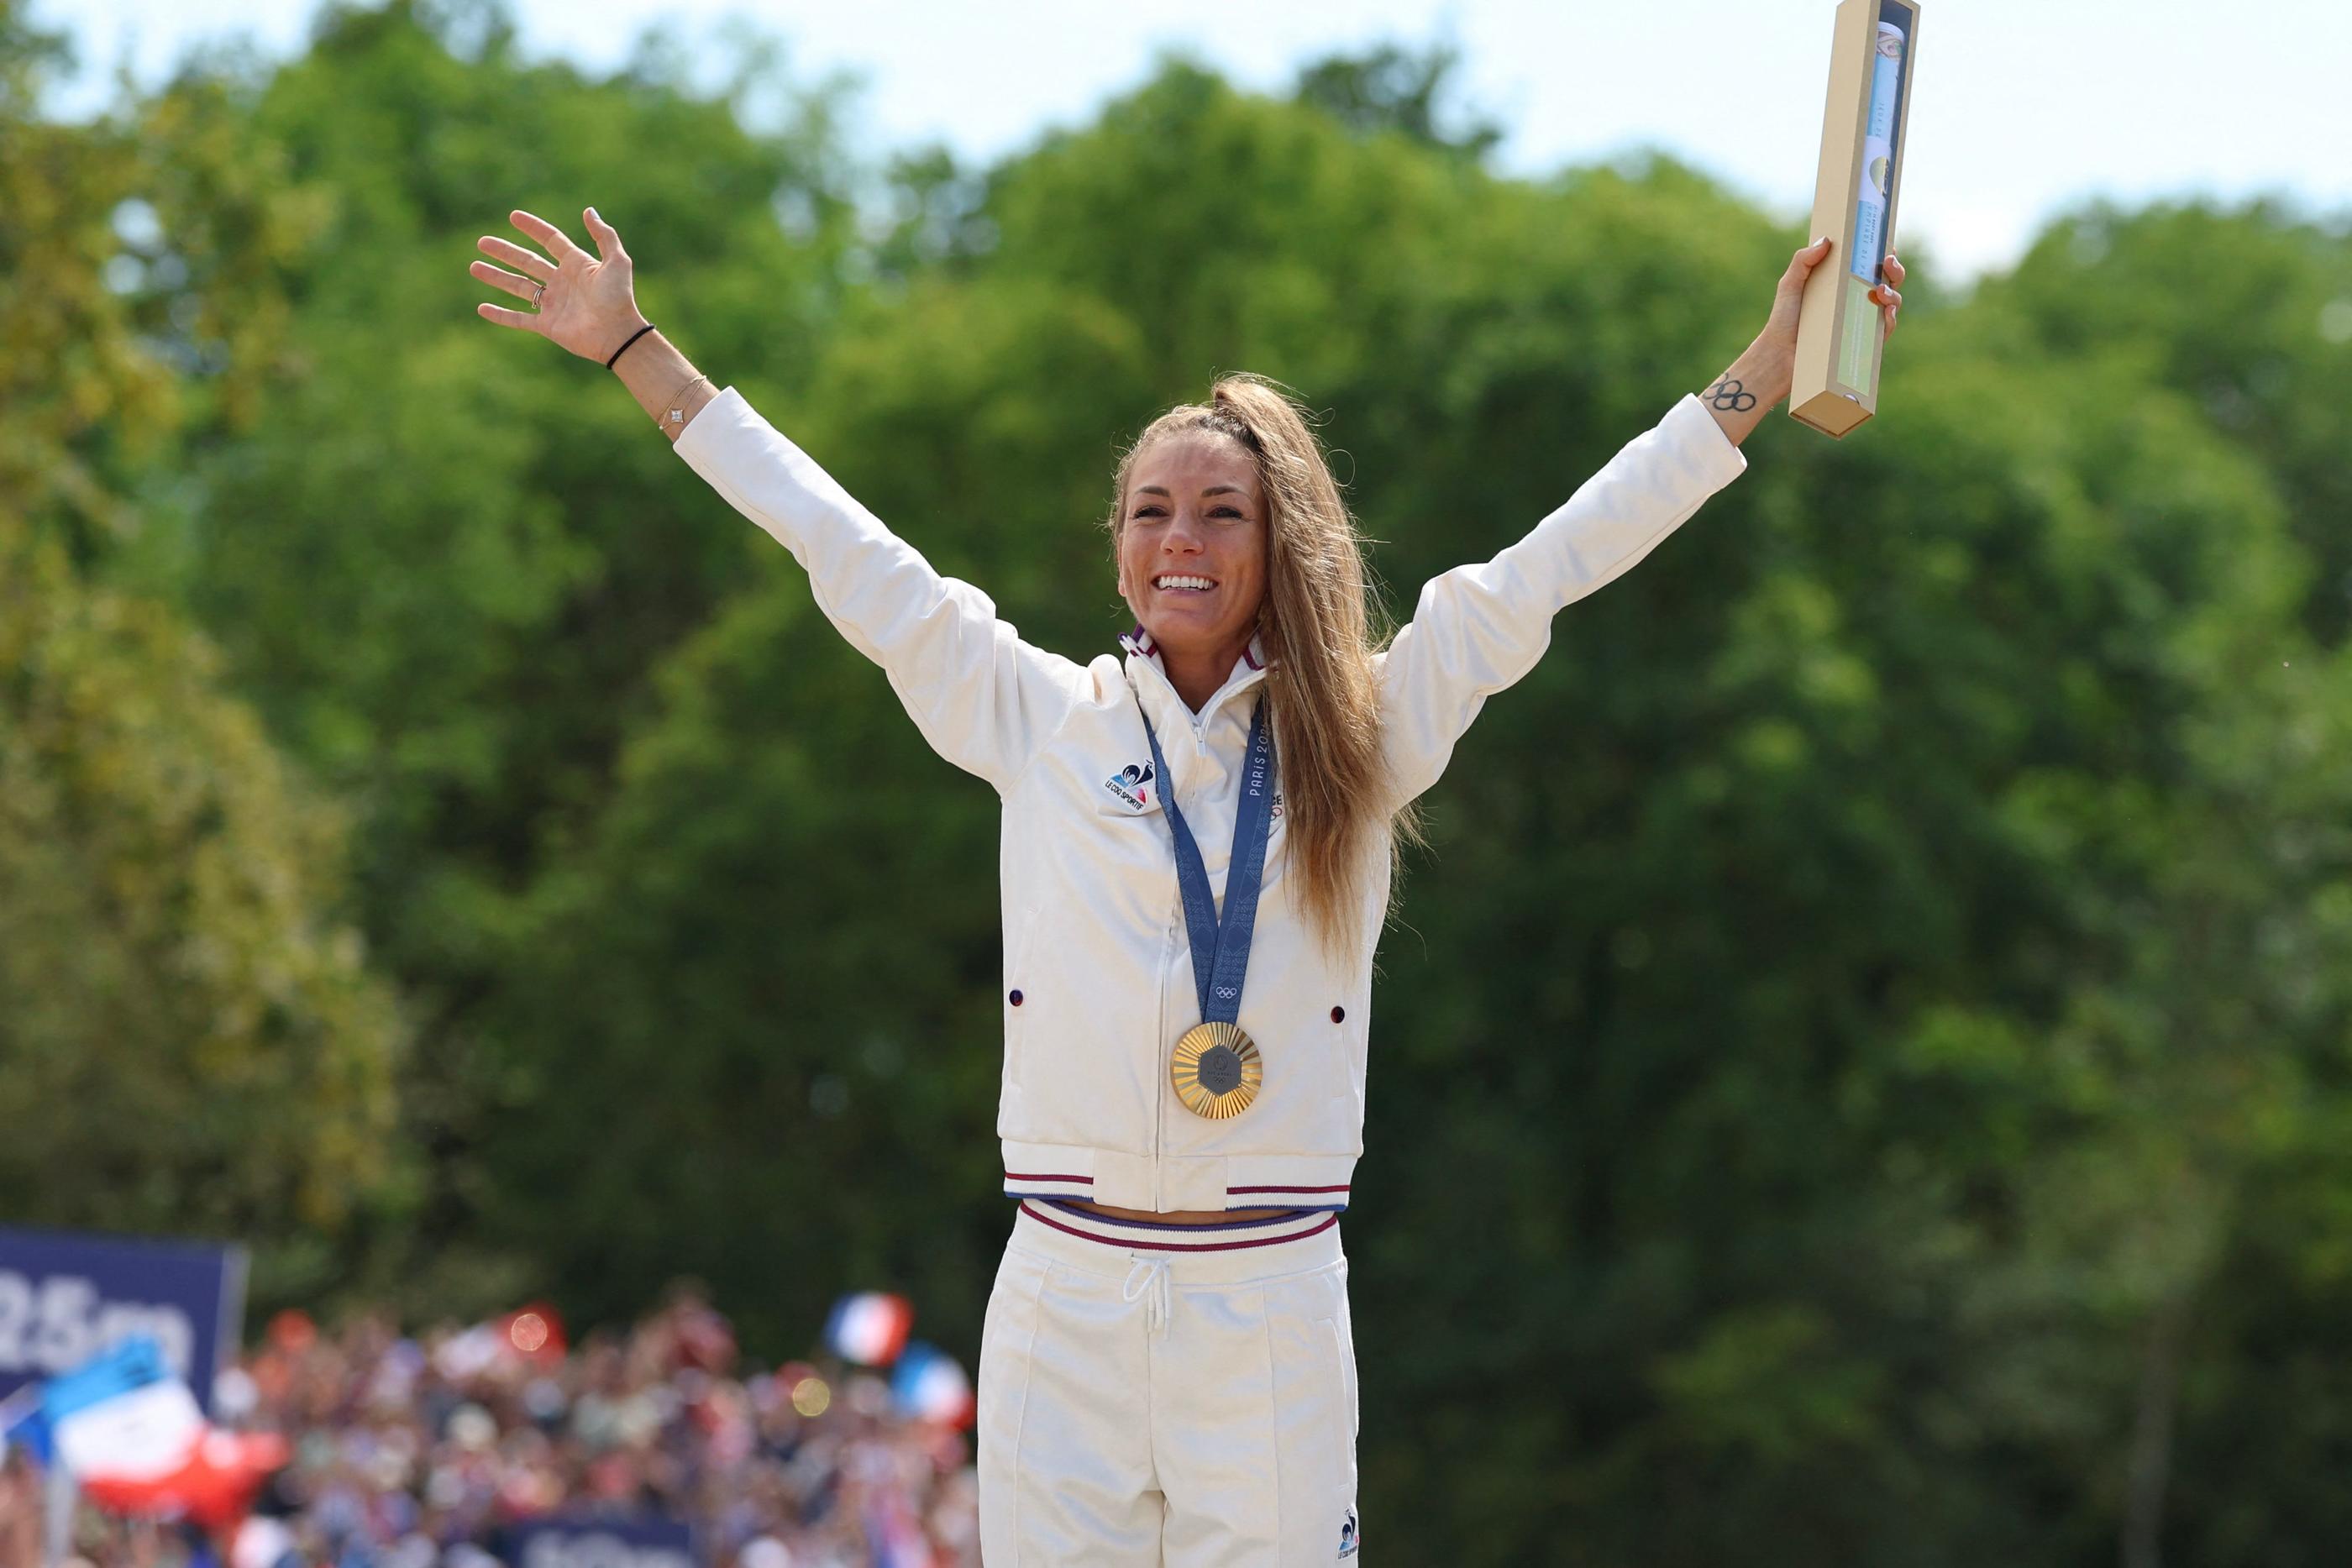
{"x": 983, "y": 699}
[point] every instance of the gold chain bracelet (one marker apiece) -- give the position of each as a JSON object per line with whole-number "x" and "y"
{"x": 674, "y": 421}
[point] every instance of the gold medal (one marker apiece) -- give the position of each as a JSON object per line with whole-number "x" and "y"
{"x": 1217, "y": 1070}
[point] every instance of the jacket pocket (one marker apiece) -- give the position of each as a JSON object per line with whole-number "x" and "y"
{"x": 1343, "y": 1357}
{"x": 1016, "y": 1003}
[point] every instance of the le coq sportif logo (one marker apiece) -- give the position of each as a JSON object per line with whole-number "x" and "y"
{"x": 1133, "y": 784}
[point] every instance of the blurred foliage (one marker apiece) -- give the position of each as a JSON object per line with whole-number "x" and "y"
{"x": 1883, "y": 982}
{"x": 439, "y": 562}
{"x": 2248, "y": 313}
{"x": 190, "y": 1037}
{"x": 1393, "y": 87}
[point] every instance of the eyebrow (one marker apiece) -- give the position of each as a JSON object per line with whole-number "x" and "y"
{"x": 1211, "y": 490}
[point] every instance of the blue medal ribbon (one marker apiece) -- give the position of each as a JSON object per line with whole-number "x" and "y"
{"x": 1221, "y": 949}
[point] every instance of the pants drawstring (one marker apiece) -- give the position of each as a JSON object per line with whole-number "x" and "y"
{"x": 1160, "y": 1301}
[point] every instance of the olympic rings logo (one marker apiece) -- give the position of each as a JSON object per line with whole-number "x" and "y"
{"x": 1731, "y": 397}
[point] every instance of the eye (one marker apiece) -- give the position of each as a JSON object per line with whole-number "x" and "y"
{"x": 1227, "y": 512}
{"x": 1147, "y": 511}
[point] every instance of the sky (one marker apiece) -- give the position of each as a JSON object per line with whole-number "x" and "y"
{"x": 2021, "y": 108}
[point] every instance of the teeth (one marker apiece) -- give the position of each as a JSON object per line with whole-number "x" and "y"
{"x": 1201, "y": 583}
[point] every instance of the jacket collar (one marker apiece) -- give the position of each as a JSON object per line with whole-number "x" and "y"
{"x": 1143, "y": 654}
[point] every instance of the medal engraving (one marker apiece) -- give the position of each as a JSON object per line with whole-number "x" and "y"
{"x": 1217, "y": 1070}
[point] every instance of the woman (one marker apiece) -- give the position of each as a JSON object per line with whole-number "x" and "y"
{"x": 1197, "y": 857}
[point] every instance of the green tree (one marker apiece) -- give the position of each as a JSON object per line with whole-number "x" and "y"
{"x": 2246, "y": 310}
{"x": 190, "y": 1038}
{"x": 1862, "y": 1074}
{"x": 1816, "y": 982}
{"x": 442, "y": 563}
{"x": 1393, "y": 87}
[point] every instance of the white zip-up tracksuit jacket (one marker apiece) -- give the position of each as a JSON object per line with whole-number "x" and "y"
{"x": 1164, "y": 1394}
{"x": 1099, "y": 973}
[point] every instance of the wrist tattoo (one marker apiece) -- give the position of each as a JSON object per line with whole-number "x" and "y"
{"x": 1730, "y": 396}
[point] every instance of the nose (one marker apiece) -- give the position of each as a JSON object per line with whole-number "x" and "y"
{"x": 1184, "y": 533}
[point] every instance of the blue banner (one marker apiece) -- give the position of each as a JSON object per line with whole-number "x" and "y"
{"x": 64, "y": 1298}
{"x": 640, "y": 1541}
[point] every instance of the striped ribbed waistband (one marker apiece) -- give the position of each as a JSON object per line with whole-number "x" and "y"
{"x": 1227, "y": 1253}
{"x": 1328, "y": 1197}
{"x": 1123, "y": 1179}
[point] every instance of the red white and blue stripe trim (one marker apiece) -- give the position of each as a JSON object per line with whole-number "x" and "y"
{"x": 1139, "y": 641}
{"x": 1306, "y": 1199}
{"x": 1047, "y": 1184}
{"x": 1330, "y": 1199}
{"x": 1157, "y": 1235}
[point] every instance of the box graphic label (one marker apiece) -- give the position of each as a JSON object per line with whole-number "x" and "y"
{"x": 1869, "y": 246}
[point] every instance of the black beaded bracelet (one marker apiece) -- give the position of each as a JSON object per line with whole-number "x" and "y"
{"x": 625, "y": 347}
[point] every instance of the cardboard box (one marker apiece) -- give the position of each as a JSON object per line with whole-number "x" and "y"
{"x": 1872, "y": 51}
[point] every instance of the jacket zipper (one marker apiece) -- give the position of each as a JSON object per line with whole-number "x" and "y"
{"x": 1159, "y": 1079}
{"x": 1159, "y": 1087}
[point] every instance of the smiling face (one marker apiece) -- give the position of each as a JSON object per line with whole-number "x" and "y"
{"x": 1192, "y": 544}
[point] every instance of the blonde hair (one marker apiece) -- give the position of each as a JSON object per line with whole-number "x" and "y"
{"x": 1318, "y": 624}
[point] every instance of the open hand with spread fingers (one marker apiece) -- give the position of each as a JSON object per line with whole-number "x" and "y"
{"x": 585, "y": 303}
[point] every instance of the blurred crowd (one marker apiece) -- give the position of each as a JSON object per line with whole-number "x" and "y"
{"x": 441, "y": 1451}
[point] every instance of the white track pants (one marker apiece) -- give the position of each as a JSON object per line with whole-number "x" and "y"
{"x": 1166, "y": 1395}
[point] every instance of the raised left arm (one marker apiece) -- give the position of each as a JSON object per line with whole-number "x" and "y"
{"x": 1478, "y": 628}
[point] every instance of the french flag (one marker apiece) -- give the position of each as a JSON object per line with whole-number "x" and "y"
{"x": 129, "y": 1433}
{"x": 930, "y": 1384}
{"x": 869, "y": 1327}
